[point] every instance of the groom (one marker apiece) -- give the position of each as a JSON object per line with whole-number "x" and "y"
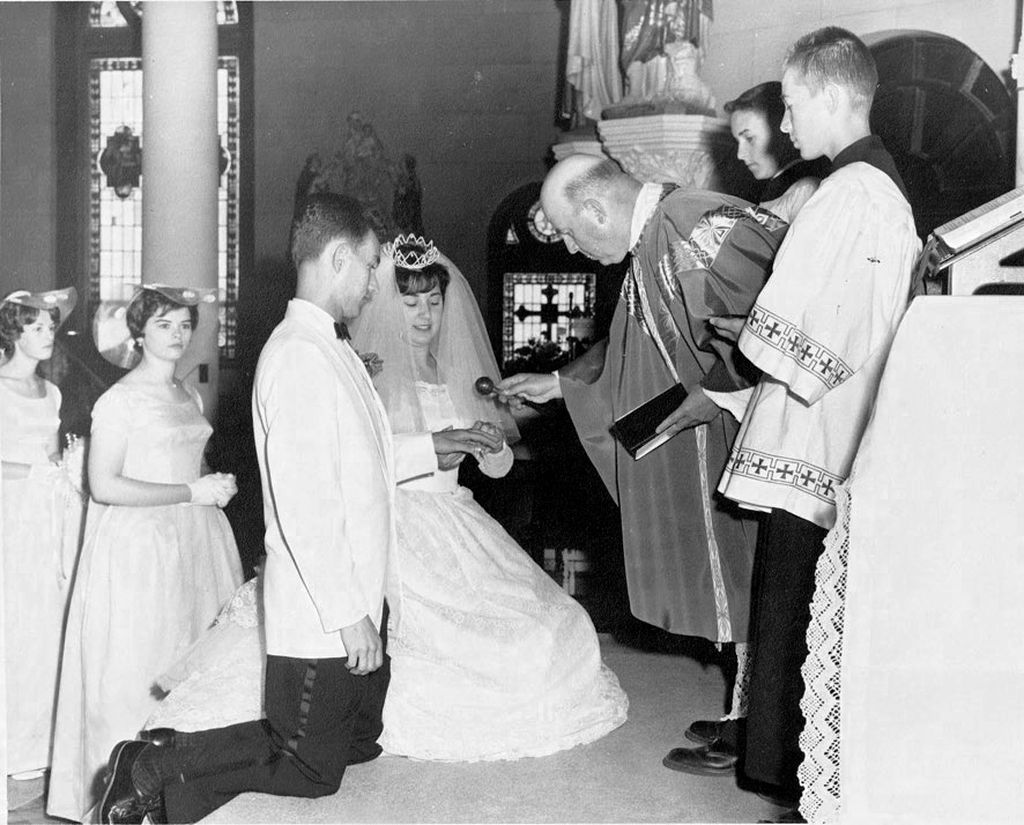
{"x": 329, "y": 465}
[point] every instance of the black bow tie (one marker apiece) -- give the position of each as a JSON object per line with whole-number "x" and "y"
{"x": 341, "y": 330}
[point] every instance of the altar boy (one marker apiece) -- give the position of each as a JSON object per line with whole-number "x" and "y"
{"x": 820, "y": 332}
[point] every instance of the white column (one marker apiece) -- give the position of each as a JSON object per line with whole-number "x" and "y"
{"x": 1017, "y": 70}
{"x": 180, "y": 156}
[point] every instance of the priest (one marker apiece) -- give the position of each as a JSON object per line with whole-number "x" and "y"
{"x": 693, "y": 255}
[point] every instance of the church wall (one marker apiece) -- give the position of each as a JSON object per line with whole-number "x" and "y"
{"x": 749, "y": 38}
{"x": 466, "y": 86}
{"x": 27, "y": 148}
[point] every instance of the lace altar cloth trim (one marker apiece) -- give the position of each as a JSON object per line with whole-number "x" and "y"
{"x": 822, "y": 670}
{"x": 741, "y": 687}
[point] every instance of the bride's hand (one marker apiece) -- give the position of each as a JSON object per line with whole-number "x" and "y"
{"x": 491, "y": 429}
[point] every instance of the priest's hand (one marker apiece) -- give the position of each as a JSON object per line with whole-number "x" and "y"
{"x": 363, "y": 646}
{"x": 529, "y": 386}
{"x": 728, "y": 326}
{"x": 696, "y": 409}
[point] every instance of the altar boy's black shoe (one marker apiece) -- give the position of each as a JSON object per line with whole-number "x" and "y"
{"x": 717, "y": 758}
{"x": 704, "y": 731}
{"x": 790, "y": 815}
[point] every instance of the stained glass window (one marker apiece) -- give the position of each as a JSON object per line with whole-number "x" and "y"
{"x": 115, "y": 223}
{"x": 107, "y": 15}
{"x": 540, "y": 306}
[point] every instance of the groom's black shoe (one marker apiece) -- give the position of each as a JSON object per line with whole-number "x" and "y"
{"x": 123, "y": 801}
{"x": 363, "y": 752}
{"x": 161, "y": 737}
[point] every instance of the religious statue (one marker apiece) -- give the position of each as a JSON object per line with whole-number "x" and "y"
{"x": 663, "y": 44}
{"x": 593, "y": 80}
{"x": 684, "y": 84}
{"x": 362, "y": 168}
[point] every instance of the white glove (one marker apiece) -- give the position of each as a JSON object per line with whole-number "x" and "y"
{"x": 213, "y": 489}
{"x": 496, "y": 465}
{"x": 47, "y": 471}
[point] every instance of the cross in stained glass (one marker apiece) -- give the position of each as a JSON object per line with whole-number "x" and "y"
{"x": 539, "y": 306}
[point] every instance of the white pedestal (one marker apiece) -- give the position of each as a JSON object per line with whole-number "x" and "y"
{"x": 578, "y": 147}
{"x": 683, "y": 149}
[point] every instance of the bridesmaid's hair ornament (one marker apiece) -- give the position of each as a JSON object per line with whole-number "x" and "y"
{"x": 21, "y": 308}
{"x": 118, "y": 325}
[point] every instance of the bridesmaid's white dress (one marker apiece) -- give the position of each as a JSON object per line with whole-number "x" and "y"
{"x": 150, "y": 581}
{"x": 42, "y": 516}
{"x": 490, "y": 658}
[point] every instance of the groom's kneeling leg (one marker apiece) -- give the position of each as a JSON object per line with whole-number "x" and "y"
{"x": 368, "y": 725}
{"x": 315, "y": 708}
{"x": 312, "y": 707}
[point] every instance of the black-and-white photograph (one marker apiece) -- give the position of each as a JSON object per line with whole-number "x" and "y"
{"x": 511, "y": 411}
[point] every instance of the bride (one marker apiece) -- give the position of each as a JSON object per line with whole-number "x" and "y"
{"x": 490, "y": 659}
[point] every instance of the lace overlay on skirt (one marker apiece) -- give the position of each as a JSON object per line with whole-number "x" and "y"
{"x": 219, "y": 682}
{"x": 490, "y": 659}
{"x": 822, "y": 671}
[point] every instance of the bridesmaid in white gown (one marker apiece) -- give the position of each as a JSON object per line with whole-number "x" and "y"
{"x": 490, "y": 659}
{"x": 42, "y": 512}
{"x": 159, "y": 559}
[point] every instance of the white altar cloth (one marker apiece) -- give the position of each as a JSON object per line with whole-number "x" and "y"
{"x": 931, "y": 722}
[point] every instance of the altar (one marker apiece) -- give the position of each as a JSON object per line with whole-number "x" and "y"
{"x": 921, "y": 674}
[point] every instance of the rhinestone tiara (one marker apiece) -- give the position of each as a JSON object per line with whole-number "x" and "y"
{"x": 414, "y": 258}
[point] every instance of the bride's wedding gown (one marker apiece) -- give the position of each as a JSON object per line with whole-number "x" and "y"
{"x": 490, "y": 658}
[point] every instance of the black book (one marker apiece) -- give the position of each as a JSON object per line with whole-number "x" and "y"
{"x": 635, "y": 429}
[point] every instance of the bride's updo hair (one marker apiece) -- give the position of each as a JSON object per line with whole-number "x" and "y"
{"x": 415, "y": 281}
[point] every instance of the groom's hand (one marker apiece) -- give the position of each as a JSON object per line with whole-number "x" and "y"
{"x": 452, "y": 446}
{"x": 364, "y": 647}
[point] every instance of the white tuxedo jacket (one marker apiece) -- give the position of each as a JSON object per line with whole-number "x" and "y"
{"x": 328, "y": 466}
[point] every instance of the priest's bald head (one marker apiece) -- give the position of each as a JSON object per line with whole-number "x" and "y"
{"x": 590, "y": 200}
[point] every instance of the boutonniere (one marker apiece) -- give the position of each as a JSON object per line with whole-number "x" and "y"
{"x": 372, "y": 362}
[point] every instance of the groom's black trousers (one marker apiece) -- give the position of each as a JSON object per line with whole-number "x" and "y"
{"x": 319, "y": 719}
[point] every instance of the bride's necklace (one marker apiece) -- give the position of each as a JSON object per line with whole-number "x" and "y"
{"x": 424, "y": 372}
{"x": 426, "y": 376}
